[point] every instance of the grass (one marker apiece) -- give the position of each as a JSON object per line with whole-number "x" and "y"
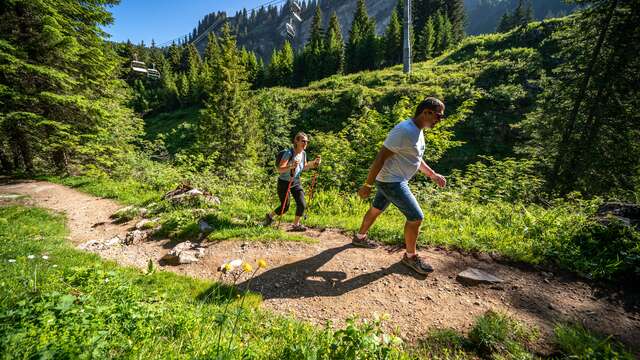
{"x": 57, "y": 302}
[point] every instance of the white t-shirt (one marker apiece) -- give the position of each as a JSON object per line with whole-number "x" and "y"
{"x": 407, "y": 142}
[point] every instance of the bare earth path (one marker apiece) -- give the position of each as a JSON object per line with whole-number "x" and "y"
{"x": 331, "y": 280}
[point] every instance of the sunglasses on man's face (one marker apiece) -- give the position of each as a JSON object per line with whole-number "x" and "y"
{"x": 440, "y": 116}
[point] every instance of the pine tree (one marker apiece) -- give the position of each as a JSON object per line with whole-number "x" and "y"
{"x": 505, "y": 23}
{"x": 457, "y": 15}
{"x": 446, "y": 35}
{"x": 313, "y": 53}
{"x": 62, "y": 106}
{"x": 426, "y": 42}
{"x": 334, "y": 48}
{"x": 424, "y": 9}
{"x": 228, "y": 135}
{"x": 362, "y": 49}
{"x": 281, "y": 66}
{"x": 212, "y": 50}
{"x": 584, "y": 133}
{"x": 174, "y": 54}
{"x": 393, "y": 41}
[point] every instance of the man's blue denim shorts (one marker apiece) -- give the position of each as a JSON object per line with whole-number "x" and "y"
{"x": 398, "y": 194}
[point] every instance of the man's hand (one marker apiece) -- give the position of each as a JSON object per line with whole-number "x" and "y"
{"x": 364, "y": 192}
{"x": 440, "y": 180}
{"x": 317, "y": 161}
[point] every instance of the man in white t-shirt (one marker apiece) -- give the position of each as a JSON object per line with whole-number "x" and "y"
{"x": 397, "y": 161}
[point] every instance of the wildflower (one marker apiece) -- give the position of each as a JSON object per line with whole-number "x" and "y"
{"x": 385, "y": 316}
{"x": 31, "y": 257}
{"x": 12, "y": 260}
{"x": 55, "y": 266}
{"x": 262, "y": 264}
{"x": 226, "y": 268}
{"x": 246, "y": 267}
{"x": 235, "y": 263}
{"x": 106, "y": 280}
{"x": 45, "y": 257}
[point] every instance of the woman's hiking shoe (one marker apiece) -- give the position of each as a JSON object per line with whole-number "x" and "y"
{"x": 299, "y": 227}
{"x": 267, "y": 220}
{"x": 417, "y": 263}
{"x": 363, "y": 243}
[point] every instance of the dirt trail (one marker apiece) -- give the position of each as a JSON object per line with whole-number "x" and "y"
{"x": 331, "y": 280}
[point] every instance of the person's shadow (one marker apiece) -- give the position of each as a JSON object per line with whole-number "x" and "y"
{"x": 303, "y": 279}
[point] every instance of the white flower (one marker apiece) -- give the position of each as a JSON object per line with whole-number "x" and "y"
{"x": 235, "y": 263}
{"x": 12, "y": 260}
{"x": 55, "y": 266}
{"x": 45, "y": 257}
{"x": 106, "y": 280}
{"x": 30, "y": 257}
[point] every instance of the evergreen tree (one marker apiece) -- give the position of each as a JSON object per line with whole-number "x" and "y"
{"x": 393, "y": 41}
{"x": 586, "y": 127}
{"x": 334, "y": 48}
{"x": 505, "y": 23}
{"x": 424, "y": 9}
{"x": 281, "y": 67}
{"x": 61, "y": 103}
{"x": 313, "y": 53}
{"x": 174, "y": 54}
{"x": 250, "y": 62}
{"x": 426, "y": 42}
{"x": 457, "y": 16}
{"x": 227, "y": 126}
{"x": 212, "y": 50}
{"x": 362, "y": 49}
{"x": 446, "y": 34}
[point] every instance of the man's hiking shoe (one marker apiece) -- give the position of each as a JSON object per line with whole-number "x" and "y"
{"x": 267, "y": 220}
{"x": 299, "y": 227}
{"x": 363, "y": 243}
{"x": 417, "y": 263}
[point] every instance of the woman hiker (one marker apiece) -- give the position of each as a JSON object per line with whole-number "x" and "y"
{"x": 293, "y": 161}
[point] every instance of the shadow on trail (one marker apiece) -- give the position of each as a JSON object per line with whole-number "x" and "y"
{"x": 305, "y": 279}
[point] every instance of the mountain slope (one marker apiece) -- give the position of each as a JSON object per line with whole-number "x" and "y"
{"x": 260, "y": 30}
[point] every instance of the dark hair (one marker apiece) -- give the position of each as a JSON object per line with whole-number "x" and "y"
{"x": 430, "y": 103}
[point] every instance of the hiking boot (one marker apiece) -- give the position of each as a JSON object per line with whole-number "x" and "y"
{"x": 267, "y": 220}
{"x": 298, "y": 227}
{"x": 417, "y": 263}
{"x": 363, "y": 243}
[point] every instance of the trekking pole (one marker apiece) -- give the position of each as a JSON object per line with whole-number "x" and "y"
{"x": 286, "y": 196}
{"x": 313, "y": 185}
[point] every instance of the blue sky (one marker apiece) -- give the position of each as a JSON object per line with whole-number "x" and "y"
{"x": 163, "y": 20}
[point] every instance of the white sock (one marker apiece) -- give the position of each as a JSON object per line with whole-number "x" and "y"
{"x": 409, "y": 255}
{"x": 361, "y": 236}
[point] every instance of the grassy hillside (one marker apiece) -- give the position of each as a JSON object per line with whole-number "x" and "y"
{"x": 498, "y": 72}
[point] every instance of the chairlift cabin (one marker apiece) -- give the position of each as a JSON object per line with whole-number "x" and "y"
{"x": 290, "y": 30}
{"x": 295, "y": 7}
{"x": 153, "y": 73}
{"x": 139, "y": 67}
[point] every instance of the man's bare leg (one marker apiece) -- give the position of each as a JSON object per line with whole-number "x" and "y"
{"x": 368, "y": 220}
{"x": 411, "y": 231}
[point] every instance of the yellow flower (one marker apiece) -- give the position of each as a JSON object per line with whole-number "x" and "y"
{"x": 262, "y": 263}
{"x": 226, "y": 268}
{"x": 247, "y": 267}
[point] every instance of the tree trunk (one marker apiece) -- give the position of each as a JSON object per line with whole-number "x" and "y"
{"x": 569, "y": 128}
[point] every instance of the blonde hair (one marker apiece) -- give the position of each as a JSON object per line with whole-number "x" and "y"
{"x": 299, "y": 135}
